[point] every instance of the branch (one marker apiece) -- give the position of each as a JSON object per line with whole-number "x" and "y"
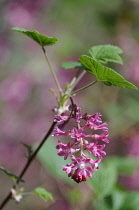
{"x": 29, "y": 161}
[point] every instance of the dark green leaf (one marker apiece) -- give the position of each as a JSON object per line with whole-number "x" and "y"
{"x": 71, "y": 65}
{"x": 14, "y": 177}
{"x": 42, "y": 193}
{"x": 104, "y": 74}
{"x": 107, "y": 83}
{"x": 28, "y": 147}
{"x": 106, "y": 53}
{"x": 41, "y": 39}
{"x": 131, "y": 201}
{"x": 122, "y": 200}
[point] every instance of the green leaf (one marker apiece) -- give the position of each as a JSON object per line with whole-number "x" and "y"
{"x": 124, "y": 165}
{"x": 122, "y": 200}
{"x": 106, "y": 53}
{"x": 42, "y": 193}
{"x": 51, "y": 161}
{"x": 127, "y": 165}
{"x": 71, "y": 65}
{"x": 14, "y": 177}
{"x": 131, "y": 201}
{"x": 104, "y": 180}
{"x": 41, "y": 39}
{"x": 118, "y": 197}
{"x": 106, "y": 75}
{"x": 100, "y": 203}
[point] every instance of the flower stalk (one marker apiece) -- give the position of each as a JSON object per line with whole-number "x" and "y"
{"x": 52, "y": 72}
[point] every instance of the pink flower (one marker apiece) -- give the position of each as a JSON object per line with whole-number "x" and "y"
{"x": 94, "y": 148}
{"x": 102, "y": 127}
{"x": 102, "y": 137}
{"x": 65, "y": 149}
{"x": 95, "y": 118}
{"x": 90, "y": 124}
{"x": 79, "y": 169}
{"x": 59, "y": 118}
{"x": 58, "y": 132}
{"x": 78, "y": 115}
{"x": 83, "y": 166}
{"x": 77, "y": 134}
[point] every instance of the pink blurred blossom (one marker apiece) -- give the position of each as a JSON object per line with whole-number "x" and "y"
{"x": 131, "y": 49}
{"x": 12, "y": 155}
{"x": 3, "y": 48}
{"x": 16, "y": 89}
{"x": 133, "y": 70}
{"x": 131, "y": 182}
{"x": 18, "y": 16}
{"x": 22, "y": 13}
{"x": 37, "y": 126}
{"x": 133, "y": 145}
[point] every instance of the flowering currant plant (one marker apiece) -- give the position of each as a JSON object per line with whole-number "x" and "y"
{"x": 88, "y": 135}
{"x": 82, "y": 165}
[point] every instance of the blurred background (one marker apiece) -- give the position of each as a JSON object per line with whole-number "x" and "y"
{"x": 26, "y": 103}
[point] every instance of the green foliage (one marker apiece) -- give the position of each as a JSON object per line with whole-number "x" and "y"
{"x": 52, "y": 162}
{"x": 118, "y": 196}
{"x": 71, "y": 65}
{"x": 104, "y": 183}
{"x": 41, "y": 39}
{"x": 106, "y": 53}
{"x": 14, "y": 177}
{"x": 104, "y": 74}
{"x": 42, "y": 193}
{"x": 122, "y": 200}
{"x": 131, "y": 201}
{"x": 104, "y": 180}
{"x": 124, "y": 165}
{"x": 115, "y": 200}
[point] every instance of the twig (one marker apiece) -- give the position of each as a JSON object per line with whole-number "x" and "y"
{"x": 29, "y": 161}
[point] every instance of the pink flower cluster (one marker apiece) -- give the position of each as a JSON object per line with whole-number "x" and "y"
{"x": 82, "y": 165}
